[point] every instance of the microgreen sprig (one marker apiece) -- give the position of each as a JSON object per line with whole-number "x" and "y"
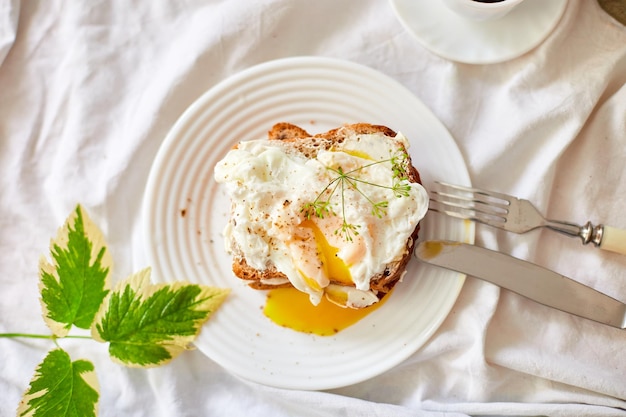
{"x": 322, "y": 204}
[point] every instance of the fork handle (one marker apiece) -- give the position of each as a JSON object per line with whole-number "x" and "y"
{"x": 605, "y": 237}
{"x": 613, "y": 239}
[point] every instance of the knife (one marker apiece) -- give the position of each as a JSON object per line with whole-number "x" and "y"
{"x": 524, "y": 278}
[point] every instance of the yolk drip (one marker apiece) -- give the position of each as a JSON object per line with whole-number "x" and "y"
{"x": 291, "y": 308}
{"x": 431, "y": 249}
{"x": 334, "y": 267}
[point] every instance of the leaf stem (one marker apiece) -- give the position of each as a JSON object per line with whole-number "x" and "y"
{"x": 32, "y": 336}
{"x": 41, "y": 336}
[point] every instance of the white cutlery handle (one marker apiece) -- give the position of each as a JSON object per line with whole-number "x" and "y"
{"x": 613, "y": 240}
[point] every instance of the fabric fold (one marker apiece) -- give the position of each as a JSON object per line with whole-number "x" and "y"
{"x": 9, "y": 16}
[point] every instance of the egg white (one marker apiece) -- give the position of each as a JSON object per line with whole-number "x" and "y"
{"x": 269, "y": 184}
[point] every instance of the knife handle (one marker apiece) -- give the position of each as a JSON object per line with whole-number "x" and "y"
{"x": 613, "y": 239}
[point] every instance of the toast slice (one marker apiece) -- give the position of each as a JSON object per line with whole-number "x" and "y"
{"x": 298, "y": 141}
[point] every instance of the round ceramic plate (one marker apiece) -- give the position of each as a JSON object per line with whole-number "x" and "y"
{"x": 464, "y": 40}
{"x": 185, "y": 211}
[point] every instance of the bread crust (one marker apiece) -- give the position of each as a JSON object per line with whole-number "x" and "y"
{"x": 309, "y": 145}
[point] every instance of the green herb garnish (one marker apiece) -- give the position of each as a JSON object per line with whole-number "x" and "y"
{"x": 343, "y": 181}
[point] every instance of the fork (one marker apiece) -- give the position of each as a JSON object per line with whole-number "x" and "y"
{"x": 516, "y": 215}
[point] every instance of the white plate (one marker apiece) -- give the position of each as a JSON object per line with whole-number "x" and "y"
{"x": 185, "y": 211}
{"x": 458, "y": 39}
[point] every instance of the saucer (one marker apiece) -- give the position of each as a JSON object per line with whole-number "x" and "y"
{"x": 453, "y": 37}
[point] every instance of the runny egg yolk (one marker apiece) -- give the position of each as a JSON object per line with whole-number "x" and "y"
{"x": 358, "y": 154}
{"x": 332, "y": 265}
{"x": 291, "y": 308}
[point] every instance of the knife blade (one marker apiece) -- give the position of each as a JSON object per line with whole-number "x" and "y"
{"x": 524, "y": 278}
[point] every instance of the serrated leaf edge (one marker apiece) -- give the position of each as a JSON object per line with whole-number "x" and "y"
{"x": 140, "y": 283}
{"x": 60, "y": 329}
{"x": 89, "y": 377}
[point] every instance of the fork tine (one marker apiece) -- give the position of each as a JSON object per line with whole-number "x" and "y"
{"x": 468, "y": 213}
{"x": 482, "y": 200}
{"x": 491, "y": 195}
{"x": 473, "y": 200}
{"x": 471, "y": 203}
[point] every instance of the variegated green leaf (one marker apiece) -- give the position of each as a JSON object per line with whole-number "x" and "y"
{"x": 61, "y": 388}
{"x": 75, "y": 283}
{"x": 150, "y": 324}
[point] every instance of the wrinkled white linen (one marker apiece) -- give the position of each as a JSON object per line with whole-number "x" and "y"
{"x": 88, "y": 90}
{"x": 9, "y": 12}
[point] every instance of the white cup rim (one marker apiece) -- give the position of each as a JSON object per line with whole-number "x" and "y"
{"x": 481, "y": 5}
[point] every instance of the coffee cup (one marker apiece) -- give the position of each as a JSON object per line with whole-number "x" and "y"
{"x": 481, "y": 10}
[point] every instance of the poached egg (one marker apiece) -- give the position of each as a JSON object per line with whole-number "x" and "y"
{"x": 333, "y": 253}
